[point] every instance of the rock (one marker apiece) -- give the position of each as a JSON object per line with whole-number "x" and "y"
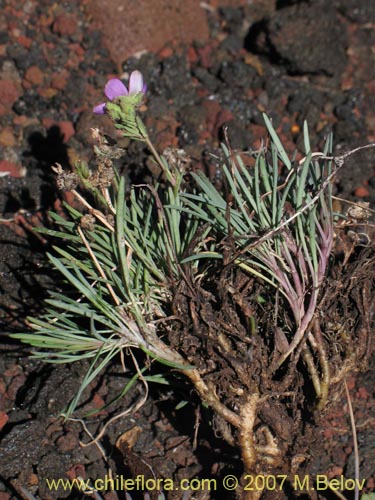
{"x": 216, "y": 117}
{"x": 359, "y": 11}
{"x": 3, "y": 419}
{"x": 12, "y": 169}
{"x": 60, "y": 79}
{"x": 10, "y": 86}
{"x": 309, "y": 38}
{"x": 10, "y": 72}
{"x": 361, "y": 192}
{"x": 65, "y": 25}
{"x": 21, "y": 448}
{"x": 66, "y": 127}
{"x": 25, "y": 41}
{"x": 34, "y": 75}
{"x": 130, "y": 27}
{"x": 9, "y": 93}
{"x": 68, "y": 442}
{"x": 7, "y": 137}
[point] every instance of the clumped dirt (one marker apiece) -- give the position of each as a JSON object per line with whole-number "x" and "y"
{"x": 296, "y": 60}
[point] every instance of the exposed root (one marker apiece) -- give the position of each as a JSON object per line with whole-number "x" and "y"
{"x": 246, "y": 435}
{"x": 259, "y": 409}
{"x": 269, "y": 453}
{"x": 208, "y": 396}
{"x": 324, "y": 365}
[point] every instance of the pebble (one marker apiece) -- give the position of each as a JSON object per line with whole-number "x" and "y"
{"x": 34, "y": 75}
{"x": 3, "y": 419}
{"x": 7, "y": 137}
{"x": 66, "y": 127}
{"x": 59, "y": 80}
{"x": 13, "y": 169}
{"x": 9, "y": 93}
{"x": 68, "y": 442}
{"x": 48, "y": 93}
{"x": 65, "y": 25}
{"x": 361, "y": 192}
{"x": 24, "y": 121}
{"x": 25, "y": 41}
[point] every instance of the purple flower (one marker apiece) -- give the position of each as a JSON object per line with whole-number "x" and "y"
{"x": 115, "y": 88}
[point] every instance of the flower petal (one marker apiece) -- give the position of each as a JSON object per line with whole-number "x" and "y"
{"x": 136, "y": 82}
{"x": 115, "y": 88}
{"x": 99, "y": 109}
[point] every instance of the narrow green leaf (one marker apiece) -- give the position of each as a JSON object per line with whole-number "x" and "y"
{"x": 280, "y": 148}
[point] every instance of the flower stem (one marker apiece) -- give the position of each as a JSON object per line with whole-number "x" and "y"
{"x": 158, "y": 158}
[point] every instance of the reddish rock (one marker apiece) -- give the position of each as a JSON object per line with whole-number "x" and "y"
{"x": 45, "y": 19}
{"x": 206, "y": 55}
{"x": 66, "y": 128}
{"x": 13, "y": 371}
{"x": 54, "y": 427}
{"x": 216, "y": 116}
{"x": 34, "y": 75}
{"x": 33, "y": 480}
{"x": 24, "y": 121}
{"x": 14, "y": 32}
{"x": 111, "y": 495}
{"x": 15, "y": 385}
{"x": 65, "y": 25}
{"x": 129, "y": 27}
{"x": 97, "y": 403}
{"x": 48, "y": 93}
{"x": 164, "y": 130}
{"x": 60, "y": 80}
{"x": 74, "y": 60}
{"x": 192, "y": 55}
{"x": 7, "y": 138}
{"x": 9, "y": 93}
{"x": 77, "y": 49}
{"x": 350, "y": 383}
{"x": 76, "y": 471}
{"x": 362, "y": 393}
{"x": 13, "y": 169}
{"x": 3, "y": 388}
{"x": 3, "y": 419}
{"x": 68, "y": 442}
{"x": 165, "y": 52}
{"x": 230, "y": 3}
{"x": 50, "y": 46}
{"x": 361, "y": 192}
{"x": 4, "y": 495}
{"x": 258, "y": 132}
{"x": 334, "y": 471}
{"x": 25, "y": 41}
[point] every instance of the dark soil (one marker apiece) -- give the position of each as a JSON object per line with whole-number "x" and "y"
{"x": 295, "y": 60}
